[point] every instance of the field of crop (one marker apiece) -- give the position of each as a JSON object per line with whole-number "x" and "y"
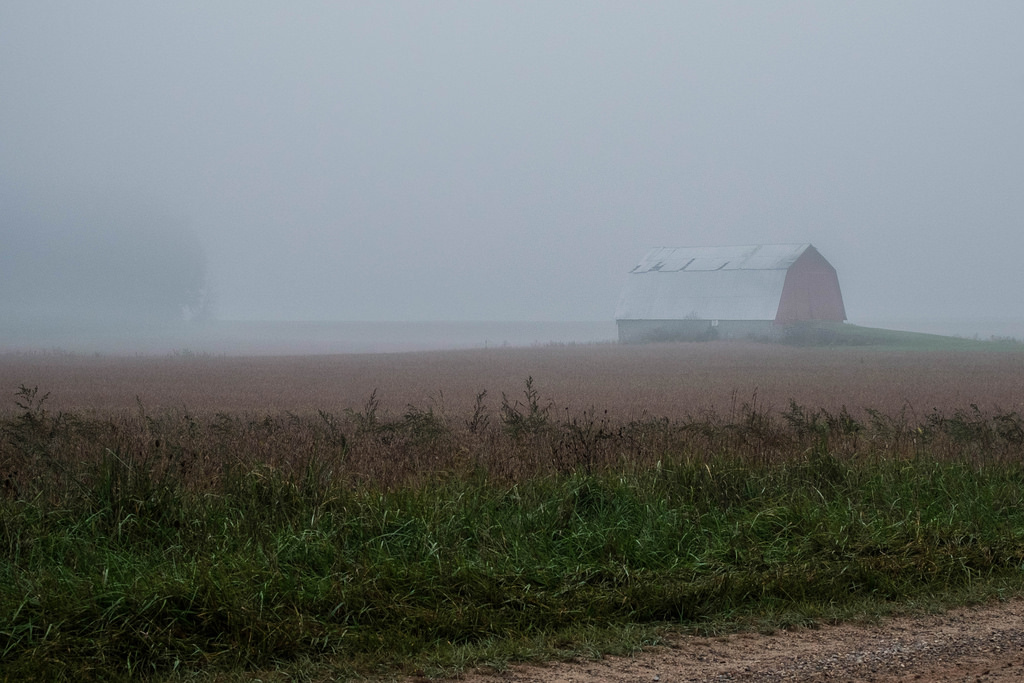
{"x": 194, "y": 517}
{"x": 629, "y": 382}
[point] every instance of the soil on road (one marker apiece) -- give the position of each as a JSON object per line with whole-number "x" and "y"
{"x": 983, "y": 644}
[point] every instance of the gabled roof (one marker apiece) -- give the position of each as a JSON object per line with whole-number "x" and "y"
{"x": 753, "y": 257}
{"x": 708, "y": 283}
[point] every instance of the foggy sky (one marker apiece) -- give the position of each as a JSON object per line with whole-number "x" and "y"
{"x": 512, "y": 161}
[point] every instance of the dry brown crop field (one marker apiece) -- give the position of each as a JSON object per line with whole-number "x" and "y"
{"x": 662, "y": 380}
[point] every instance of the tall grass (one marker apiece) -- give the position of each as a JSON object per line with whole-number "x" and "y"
{"x": 143, "y": 545}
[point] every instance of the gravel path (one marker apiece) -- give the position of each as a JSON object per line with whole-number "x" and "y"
{"x": 967, "y": 644}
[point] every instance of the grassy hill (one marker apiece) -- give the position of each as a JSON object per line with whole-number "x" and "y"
{"x": 844, "y": 334}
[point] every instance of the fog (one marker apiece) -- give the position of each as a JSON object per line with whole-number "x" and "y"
{"x": 465, "y": 161}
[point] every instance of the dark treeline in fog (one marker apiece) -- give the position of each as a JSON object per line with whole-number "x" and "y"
{"x": 105, "y": 261}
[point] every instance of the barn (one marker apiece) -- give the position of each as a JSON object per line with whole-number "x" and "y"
{"x": 727, "y": 292}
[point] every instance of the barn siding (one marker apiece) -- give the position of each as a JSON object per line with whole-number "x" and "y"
{"x": 811, "y": 291}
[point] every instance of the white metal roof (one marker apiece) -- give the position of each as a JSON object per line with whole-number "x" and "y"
{"x": 708, "y": 283}
{"x": 754, "y": 257}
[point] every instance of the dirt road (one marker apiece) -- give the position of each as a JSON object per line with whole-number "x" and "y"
{"x": 970, "y": 644}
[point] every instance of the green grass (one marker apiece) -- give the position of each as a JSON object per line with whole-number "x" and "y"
{"x": 170, "y": 547}
{"x": 844, "y": 334}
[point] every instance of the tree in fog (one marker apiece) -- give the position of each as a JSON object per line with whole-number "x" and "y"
{"x": 98, "y": 262}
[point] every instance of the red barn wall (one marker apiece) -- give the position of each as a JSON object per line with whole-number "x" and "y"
{"x": 811, "y": 291}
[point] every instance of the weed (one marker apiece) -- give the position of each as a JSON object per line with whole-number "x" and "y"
{"x": 480, "y": 418}
{"x": 582, "y": 439}
{"x": 366, "y": 421}
{"x": 528, "y": 418}
{"x": 424, "y": 426}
